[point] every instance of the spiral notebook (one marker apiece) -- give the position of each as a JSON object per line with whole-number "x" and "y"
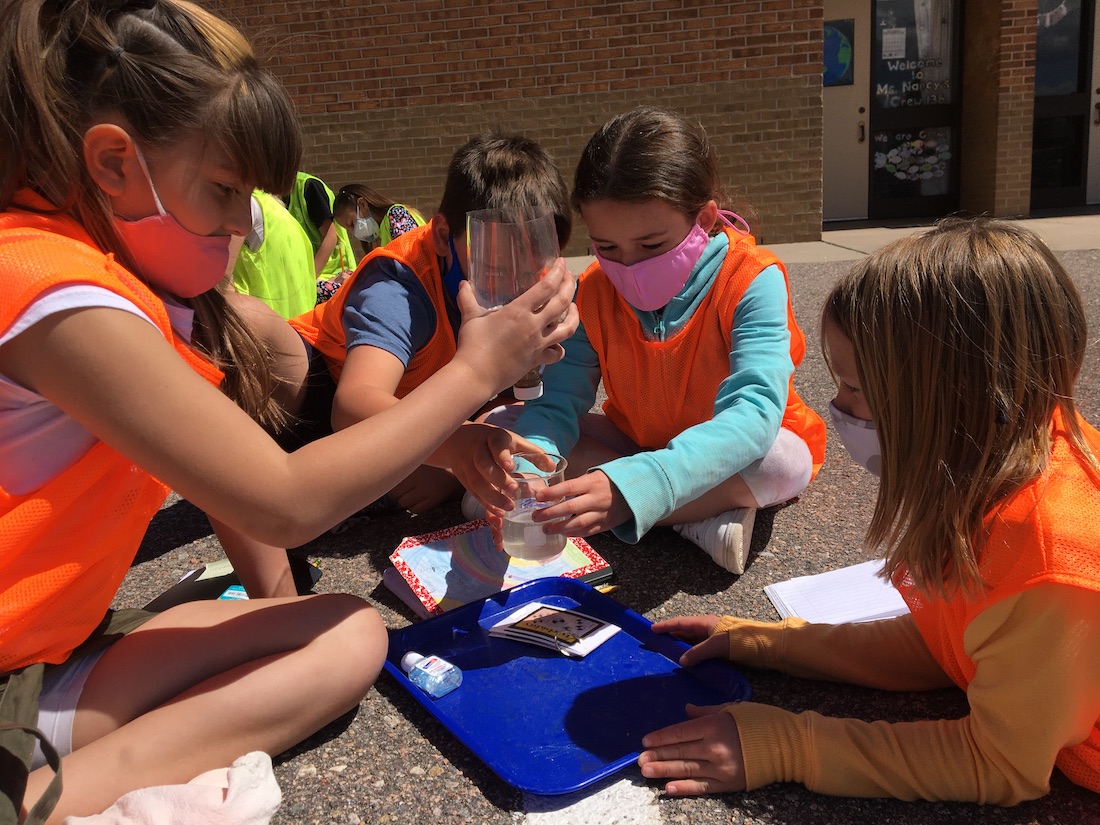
{"x": 438, "y": 571}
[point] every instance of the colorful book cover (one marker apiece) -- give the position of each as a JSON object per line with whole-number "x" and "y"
{"x": 458, "y": 565}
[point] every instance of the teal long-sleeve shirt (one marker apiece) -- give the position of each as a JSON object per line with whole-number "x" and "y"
{"x": 748, "y": 409}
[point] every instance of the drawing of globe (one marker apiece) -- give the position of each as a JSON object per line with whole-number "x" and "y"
{"x": 837, "y": 63}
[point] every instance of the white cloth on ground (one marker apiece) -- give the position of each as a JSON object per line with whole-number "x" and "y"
{"x": 246, "y": 793}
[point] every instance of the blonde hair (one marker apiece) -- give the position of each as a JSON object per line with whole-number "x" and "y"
{"x": 967, "y": 339}
{"x": 172, "y": 70}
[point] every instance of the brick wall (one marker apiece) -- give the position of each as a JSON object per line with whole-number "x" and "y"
{"x": 999, "y": 89}
{"x": 387, "y": 95}
{"x": 1017, "y": 93}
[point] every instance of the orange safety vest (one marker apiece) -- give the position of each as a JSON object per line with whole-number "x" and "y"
{"x": 657, "y": 389}
{"x": 1045, "y": 533}
{"x": 65, "y": 548}
{"x": 323, "y": 326}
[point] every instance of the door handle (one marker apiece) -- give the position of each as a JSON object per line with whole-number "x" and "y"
{"x": 861, "y": 128}
{"x": 1097, "y": 107}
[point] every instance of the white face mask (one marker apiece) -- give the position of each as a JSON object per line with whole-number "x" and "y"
{"x": 365, "y": 229}
{"x": 859, "y": 438}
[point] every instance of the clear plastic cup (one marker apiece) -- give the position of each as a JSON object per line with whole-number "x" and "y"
{"x": 523, "y": 537}
{"x": 506, "y": 254}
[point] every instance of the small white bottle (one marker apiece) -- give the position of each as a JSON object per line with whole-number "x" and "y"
{"x": 433, "y": 675}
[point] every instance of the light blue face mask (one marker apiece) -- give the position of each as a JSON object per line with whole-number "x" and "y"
{"x": 859, "y": 438}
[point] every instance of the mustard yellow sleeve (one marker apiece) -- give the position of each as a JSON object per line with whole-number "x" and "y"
{"x": 1036, "y": 691}
{"x": 888, "y": 654}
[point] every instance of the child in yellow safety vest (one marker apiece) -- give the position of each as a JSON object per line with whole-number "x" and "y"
{"x": 275, "y": 260}
{"x": 955, "y": 356}
{"x": 310, "y": 202}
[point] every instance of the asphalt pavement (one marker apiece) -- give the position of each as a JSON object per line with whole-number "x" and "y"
{"x": 391, "y": 762}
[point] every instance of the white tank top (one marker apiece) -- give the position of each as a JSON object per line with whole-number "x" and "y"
{"x": 37, "y": 440}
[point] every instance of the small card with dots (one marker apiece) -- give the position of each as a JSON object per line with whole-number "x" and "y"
{"x": 563, "y": 629}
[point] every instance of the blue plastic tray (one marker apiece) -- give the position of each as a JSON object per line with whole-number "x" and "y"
{"x": 548, "y": 724}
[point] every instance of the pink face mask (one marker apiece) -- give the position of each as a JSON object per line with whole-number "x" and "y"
{"x": 170, "y": 257}
{"x": 650, "y": 284}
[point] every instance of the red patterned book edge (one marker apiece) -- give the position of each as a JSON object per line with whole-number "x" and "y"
{"x": 598, "y": 562}
{"x": 422, "y": 593}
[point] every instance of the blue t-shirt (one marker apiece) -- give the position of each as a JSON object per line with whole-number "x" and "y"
{"x": 388, "y": 308}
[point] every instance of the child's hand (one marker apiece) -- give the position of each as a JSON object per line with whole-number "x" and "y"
{"x": 481, "y": 459}
{"x": 697, "y": 630}
{"x": 691, "y": 629}
{"x": 702, "y": 755}
{"x": 591, "y": 505}
{"x": 502, "y": 345}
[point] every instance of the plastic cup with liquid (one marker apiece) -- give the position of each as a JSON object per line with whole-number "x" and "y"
{"x": 523, "y": 537}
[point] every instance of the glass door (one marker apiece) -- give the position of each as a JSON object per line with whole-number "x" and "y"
{"x": 1063, "y": 105}
{"x": 915, "y": 109}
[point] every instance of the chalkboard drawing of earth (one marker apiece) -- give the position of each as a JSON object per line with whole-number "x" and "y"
{"x": 837, "y": 55}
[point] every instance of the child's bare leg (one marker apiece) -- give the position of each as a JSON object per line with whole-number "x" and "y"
{"x": 588, "y": 453}
{"x": 207, "y": 682}
{"x": 290, "y": 364}
{"x": 264, "y": 570}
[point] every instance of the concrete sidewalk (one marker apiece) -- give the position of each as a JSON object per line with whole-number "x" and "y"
{"x": 1062, "y": 234}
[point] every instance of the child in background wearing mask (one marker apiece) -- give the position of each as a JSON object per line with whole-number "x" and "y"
{"x": 372, "y": 219}
{"x": 311, "y": 203}
{"x": 958, "y": 350}
{"x": 274, "y": 261}
{"x": 689, "y": 325}
{"x": 117, "y": 355}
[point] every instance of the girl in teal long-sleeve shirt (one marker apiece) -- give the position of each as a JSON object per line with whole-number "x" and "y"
{"x": 688, "y": 324}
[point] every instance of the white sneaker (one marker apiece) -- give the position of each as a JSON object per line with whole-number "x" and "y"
{"x": 726, "y": 537}
{"x": 472, "y": 509}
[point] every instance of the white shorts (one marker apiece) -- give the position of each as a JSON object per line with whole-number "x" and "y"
{"x": 61, "y": 689}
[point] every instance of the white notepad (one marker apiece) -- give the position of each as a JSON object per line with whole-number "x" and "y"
{"x": 850, "y": 594}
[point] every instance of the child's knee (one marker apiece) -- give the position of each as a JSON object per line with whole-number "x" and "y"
{"x": 357, "y": 640}
{"x": 783, "y": 472}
